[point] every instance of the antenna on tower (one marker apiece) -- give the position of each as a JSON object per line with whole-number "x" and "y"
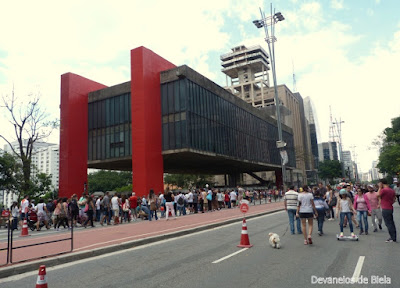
{"x": 332, "y": 134}
{"x": 294, "y": 79}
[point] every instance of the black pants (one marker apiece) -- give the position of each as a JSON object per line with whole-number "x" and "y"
{"x": 90, "y": 218}
{"x": 387, "y": 215}
{"x": 398, "y": 198}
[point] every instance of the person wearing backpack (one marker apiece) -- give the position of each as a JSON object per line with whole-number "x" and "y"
{"x": 73, "y": 209}
{"x": 180, "y": 204}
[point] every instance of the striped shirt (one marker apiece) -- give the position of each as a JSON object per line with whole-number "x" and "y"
{"x": 291, "y": 198}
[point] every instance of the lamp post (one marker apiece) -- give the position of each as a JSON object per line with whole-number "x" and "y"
{"x": 266, "y": 22}
{"x": 339, "y": 128}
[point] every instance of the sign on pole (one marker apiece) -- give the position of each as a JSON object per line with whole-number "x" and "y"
{"x": 244, "y": 207}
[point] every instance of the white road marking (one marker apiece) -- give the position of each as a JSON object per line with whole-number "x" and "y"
{"x": 357, "y": 271}
{"x": 230, "y": 255}
{"x": 73, "y": 263}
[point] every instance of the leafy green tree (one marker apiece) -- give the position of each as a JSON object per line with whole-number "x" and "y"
{"x": 10, "y": 173}
{"x": 105, "y": 180}
{"x": 187, "y": 180}
{"x": 389, "y": 158}
{"x": 329, "y": 170}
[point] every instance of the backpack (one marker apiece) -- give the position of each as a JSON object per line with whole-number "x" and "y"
{"x": 74, "y": 206}
{"x": 62, "y": 210}
{"x": 181, "y": 201}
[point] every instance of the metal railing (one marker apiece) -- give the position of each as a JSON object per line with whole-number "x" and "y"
{"x": 10, "y": 246}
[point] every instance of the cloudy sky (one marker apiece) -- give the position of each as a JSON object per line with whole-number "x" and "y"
{"x": 345, "y": 54}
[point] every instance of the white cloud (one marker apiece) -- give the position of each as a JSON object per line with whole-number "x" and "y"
{"x": 337, "y": 4}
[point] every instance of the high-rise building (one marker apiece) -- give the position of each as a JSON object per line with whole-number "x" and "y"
{"x": 375, "y": 175}
{"x": 328, "y": 151}
{"x": 348, "y": 164}
{"x": 45, "y": 159}
{"x": 247, "y": 69}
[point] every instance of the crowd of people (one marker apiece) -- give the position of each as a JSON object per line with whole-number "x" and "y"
{"x": 352, "y": 204}
{"x": 117, "y": 209}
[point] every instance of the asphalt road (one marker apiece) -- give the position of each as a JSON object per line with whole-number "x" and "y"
{"x": 188, "y": 261}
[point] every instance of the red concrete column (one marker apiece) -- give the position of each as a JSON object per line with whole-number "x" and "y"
{"x": 74, "y": 132}
{"x": 147, "y": 161}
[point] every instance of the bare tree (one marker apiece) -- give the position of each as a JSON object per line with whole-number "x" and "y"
{"x": 30, "y": 124}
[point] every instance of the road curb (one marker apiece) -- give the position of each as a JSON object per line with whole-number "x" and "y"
{"x": 74, "y": 256}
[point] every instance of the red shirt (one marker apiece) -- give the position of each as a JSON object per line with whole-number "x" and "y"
{"x": 133, "y": 201}
{"x": 387, "y": 196}
{"x": 227, "y": 198}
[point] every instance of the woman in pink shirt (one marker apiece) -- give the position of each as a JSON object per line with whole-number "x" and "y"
{"x": 361, "y": 205}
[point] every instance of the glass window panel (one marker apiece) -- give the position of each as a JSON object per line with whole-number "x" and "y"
{"x": 182, "y": 93}
{"x": 116, "y": 110}
{"x": 90, "y": 143}
{"x": 165, "y": 137}
{"x": 178, "y": 141}
{"x": 171, "y": 97}
{"x": 164, "y": 99}
{"x": 177, "y": 107}
{"x": 121, "y": 109}
{"x": 126, "y": 142}
{"x": 112, "y": 112}
{"x": 90, "y": 113}
{"x": 171, "y": 128}
{"x": 184, "y": 134}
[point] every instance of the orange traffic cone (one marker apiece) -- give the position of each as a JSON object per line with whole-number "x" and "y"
{"x": 24, "y": 231}
{"x": 244, "y": 239}
{"x": 41, "y": 281}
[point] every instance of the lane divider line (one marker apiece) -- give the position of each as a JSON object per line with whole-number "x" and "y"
{"x": 357, "y": 270}
{"x": 230, "y": 255}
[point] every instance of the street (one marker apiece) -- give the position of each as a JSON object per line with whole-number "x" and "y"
{"x": 187, "y": 261}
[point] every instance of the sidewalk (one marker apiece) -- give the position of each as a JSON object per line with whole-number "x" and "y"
{"x": 91, "y": 242}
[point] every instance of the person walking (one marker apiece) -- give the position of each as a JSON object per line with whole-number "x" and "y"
{"x": 322, "y": 207}
{"x": 363, "y": 208}
{"x": 397, "y": 190}
{"x": 305, "y": 209}
{"x": 332, "y": 202}
{"x": 290, "y": 200}
{"x": 388, "y": 197}
{"x": 125, "y": 209}
{"x": 14, "y": 213}
{"x": 169, "y": 204}
{"x": 133, "y": 204}
{"x": 375, "y": 203}
{"x": 153, "y": 205}
{"x": 89, "y": 211}
{"x": 115, "y": 203}
{"x": 344, "y": 210}
{"x": 41, "y": 211}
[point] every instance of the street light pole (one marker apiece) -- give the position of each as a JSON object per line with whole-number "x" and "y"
{"x": 266, "y": 22}
{"x": 339, "y": 127}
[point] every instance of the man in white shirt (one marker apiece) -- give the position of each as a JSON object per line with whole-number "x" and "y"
{"x": 233, "y": 198}
{"x": 190, "y": 201}
{"x": 24, "y": 208}
{"x": 291, "y": 200}
{"x": 115, "y": 208}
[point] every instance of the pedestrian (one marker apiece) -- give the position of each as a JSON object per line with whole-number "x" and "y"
{"x": 41, "y": 211}
{"x": 106, "y": 203}
{"x": 153, "y": 205}
{"x": 24, "y": 208}
{"x": 291, "y": 200}
{"x": 98, "y": 208}
{"x": 363, "y": 208}
{"x": 73, "y": 209}
{"x": 190, "y": 201}
{"x": 133, "y": 204}
{"x": 14, "y": 213}
{"x": 180, "y": 203}
{"x": 343, "y": 210}
{"x": 397, "y": 190}
{"x": 169, "y": 203}
{"x": 209, "y": 198}
{"x": 388, "y": 197}
{"x": 115, "y": 203}
{"x": 220, "y": 199}
{"x": 233, "y": 198}
{"x": 63, "y": 214}
{"x": 125, "y": 208}
{"x": 321, "y": 206}
{"x": 195, "y": 201}
{"x": 89, "y": 210}
{"x": 305, "y": 211}
{"x": 332, "y": 202}
{"x": 82, "y": 205}
{"x": 375, "y": 203}
{"x": 227, "y": 199}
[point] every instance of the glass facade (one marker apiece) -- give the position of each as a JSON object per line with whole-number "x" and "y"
{"x": 109, "y": 126}
{"x": 194, "y": 117}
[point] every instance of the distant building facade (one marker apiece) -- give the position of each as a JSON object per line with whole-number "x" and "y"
{"x": 328, "y": 151}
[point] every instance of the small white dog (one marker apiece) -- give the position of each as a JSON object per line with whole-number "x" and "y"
{"x": 274, "y": 240}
